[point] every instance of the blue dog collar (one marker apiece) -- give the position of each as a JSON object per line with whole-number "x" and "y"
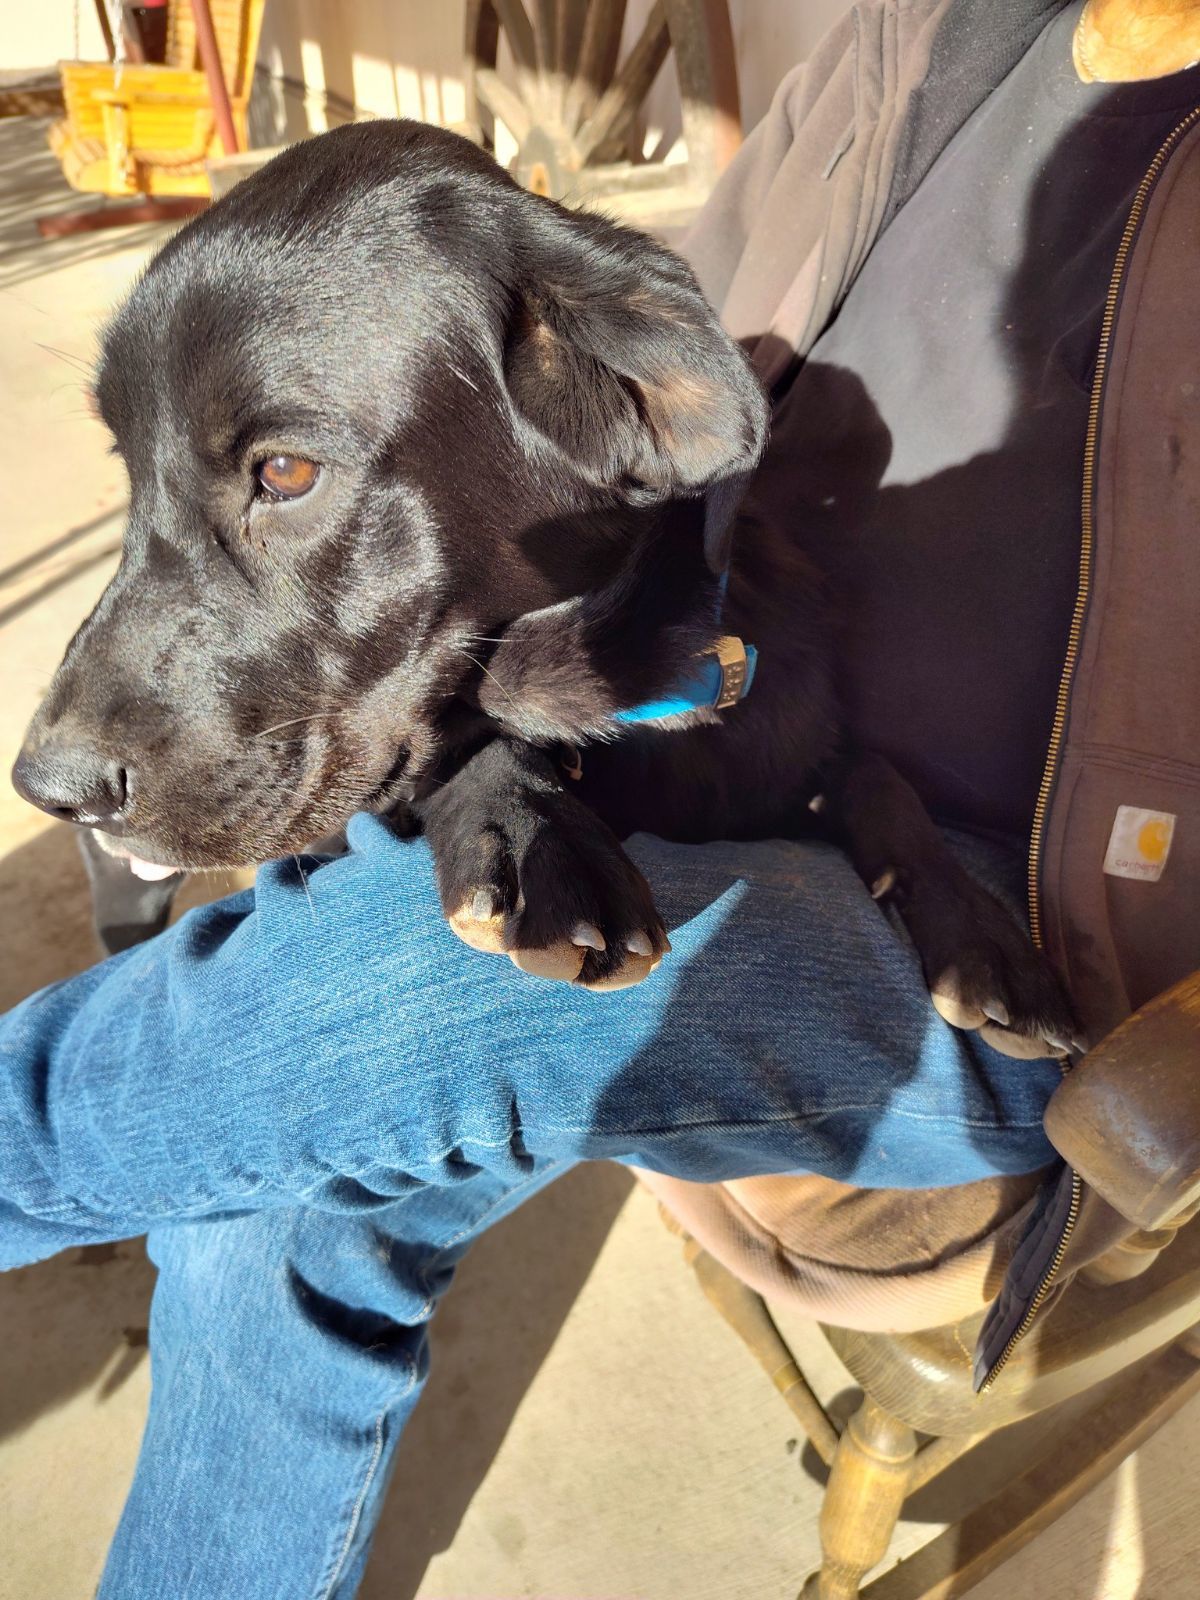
{"x": 721, "y": 677}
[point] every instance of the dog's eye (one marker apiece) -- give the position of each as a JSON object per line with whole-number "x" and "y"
{"x": 287, "y": 477}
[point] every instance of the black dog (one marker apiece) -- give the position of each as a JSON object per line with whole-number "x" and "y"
{"x": 430, "y": 479}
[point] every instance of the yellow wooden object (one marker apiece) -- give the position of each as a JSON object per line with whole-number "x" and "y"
{"x": 150, "y": 130}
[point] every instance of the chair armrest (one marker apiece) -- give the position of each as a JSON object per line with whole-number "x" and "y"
{"x": 141, "y": 98}
{"x": 1127, "y": 1118}
{"x": 138, "y": 78}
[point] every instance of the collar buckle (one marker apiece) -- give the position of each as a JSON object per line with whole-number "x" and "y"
{"x": 735, "y": 671}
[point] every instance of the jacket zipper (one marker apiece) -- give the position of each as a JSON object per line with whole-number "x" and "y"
{"x": 1054, "y": 752}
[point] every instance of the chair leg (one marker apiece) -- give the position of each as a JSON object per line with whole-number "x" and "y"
{"x": 867, "y": 1486}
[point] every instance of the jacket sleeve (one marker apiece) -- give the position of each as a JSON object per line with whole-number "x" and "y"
{"x": 791, "y": 221}
{"x": 716, "y": 243}
{"x": 773, "y": 214}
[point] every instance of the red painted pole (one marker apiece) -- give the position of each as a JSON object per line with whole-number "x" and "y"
{"x": 210, "y": 59}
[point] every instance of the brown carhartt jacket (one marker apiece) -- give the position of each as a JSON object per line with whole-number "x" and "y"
{"x": 1114, "y": 866}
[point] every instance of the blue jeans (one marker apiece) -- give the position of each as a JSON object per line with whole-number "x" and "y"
{"x": 313, "y": 1097}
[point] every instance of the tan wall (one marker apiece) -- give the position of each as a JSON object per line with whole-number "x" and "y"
{"x": 403, "y": 57}
{"x": 321, "y": 59}
{"x": 396, "y": 58}
{"x": 37, "y": 33}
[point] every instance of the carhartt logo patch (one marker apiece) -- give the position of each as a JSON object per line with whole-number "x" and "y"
{"x": 1139, "y": 844}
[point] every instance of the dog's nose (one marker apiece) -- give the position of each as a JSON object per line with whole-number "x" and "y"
{"x": 72, "y": 782}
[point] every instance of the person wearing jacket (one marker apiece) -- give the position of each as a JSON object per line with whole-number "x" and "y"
{"x": 961, "y": 249}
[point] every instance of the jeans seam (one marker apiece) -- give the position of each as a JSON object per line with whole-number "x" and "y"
{"x": 47, "y": 1213}
{"x": 798, "y": 1119}
{"x": 682, "y": 1129}
{"x": 356, "y": 1509}
{"x": 105, "y": 1210}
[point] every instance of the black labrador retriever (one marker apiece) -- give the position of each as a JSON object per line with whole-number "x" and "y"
{"x": 433, "y": 484}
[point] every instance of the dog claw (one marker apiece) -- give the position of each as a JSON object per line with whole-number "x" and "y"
{"x": 484, "y": 933}
{"x": 951, "y": 1007}
{"x": 483, "y": 906}
{"x": 884, "y": 884}
{"x": 588, "y": 935}
{"x": 998, "y": 1012}
{"x": 817, "y": 804}
{"x": 639, "y": 945}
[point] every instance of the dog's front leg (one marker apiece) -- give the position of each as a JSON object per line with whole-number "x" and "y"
{"x": 527, "y": 870}
{"x": 982, "y": 968}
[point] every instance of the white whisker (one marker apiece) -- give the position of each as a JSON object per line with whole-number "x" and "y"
{"x": 292, "y": 721}
{"x": 80, "y": 363}
{"x": 490, "y": 674}
{"x": 308, "y": 892}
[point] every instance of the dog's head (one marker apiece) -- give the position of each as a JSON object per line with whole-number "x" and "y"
{"x": 407, "y": 448}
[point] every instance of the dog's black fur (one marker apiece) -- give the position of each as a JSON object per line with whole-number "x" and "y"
{"x": 531, "y": 431}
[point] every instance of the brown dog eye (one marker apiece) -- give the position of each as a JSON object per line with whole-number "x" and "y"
{"x": 287, "y": 477}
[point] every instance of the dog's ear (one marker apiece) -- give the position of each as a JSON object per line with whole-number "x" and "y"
{"x": 613, "y": 355}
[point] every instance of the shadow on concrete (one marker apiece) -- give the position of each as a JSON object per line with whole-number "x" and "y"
{"x": 32, "y": 186}
{"x": 45, "y": 913}
{"x": 67, "y": 1325}
{"x": 490, "y": 1336}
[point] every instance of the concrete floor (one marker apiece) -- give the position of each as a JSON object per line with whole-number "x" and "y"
{"x": 591, "y": 1428}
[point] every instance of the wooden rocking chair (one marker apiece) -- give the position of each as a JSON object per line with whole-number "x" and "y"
{"x": 149, "y": 130}
{"x": 1128, "y": 1119}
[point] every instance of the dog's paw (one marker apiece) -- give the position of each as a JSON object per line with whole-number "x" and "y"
{"x": 983, "y": 971}
{"x": 553, "y": 890}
